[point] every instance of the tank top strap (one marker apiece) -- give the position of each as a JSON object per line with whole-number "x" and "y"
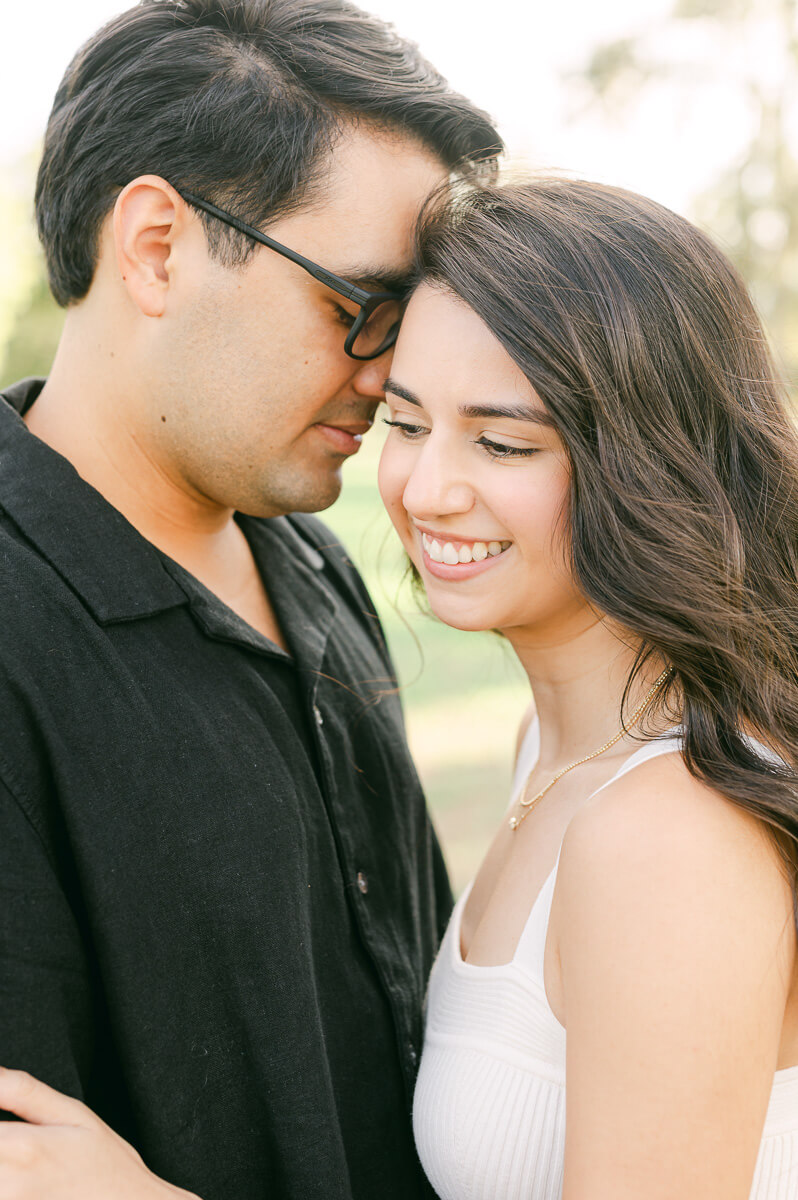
{"x": 666, "y": 743}
{"x": 530, "y": 953}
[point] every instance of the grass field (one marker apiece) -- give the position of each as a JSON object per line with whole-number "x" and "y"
{"x": 463, "y": 693}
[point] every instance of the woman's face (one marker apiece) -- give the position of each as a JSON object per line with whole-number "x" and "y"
{"x": 475, "y": 478}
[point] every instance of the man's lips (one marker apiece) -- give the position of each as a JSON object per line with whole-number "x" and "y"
{"x": 344, "y": 436}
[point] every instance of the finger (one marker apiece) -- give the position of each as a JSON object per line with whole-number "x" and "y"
{"x": 18, "y": 1146}
{"x": 40, "y": 1104}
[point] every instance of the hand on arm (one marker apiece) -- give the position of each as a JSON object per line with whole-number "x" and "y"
{"x": 674, "y": 933}
{"x": 65, "y": 1152}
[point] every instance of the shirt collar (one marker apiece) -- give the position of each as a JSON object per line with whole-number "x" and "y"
{"x": 299, "y": 591}
{"x": 117, "y": 573}
{"x": 305, "y": 606}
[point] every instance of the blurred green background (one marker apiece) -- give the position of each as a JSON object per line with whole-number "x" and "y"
{"x": 729, "y": 65}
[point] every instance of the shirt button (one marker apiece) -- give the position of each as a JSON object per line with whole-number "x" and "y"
{"x": 362, "y": 883}
{"x": 412, "y": 1054}
{"x": 318, "y": 717}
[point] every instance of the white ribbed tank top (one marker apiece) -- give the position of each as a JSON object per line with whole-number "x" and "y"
{"x": 489, "y": 1107}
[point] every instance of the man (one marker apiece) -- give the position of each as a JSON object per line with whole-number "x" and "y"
{"x": 221, "y": 891}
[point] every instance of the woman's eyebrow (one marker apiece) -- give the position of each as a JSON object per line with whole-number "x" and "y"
{"x": 512, "y": 412}
{"x": 391, "y": 385}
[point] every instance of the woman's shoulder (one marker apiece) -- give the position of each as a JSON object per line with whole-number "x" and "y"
{"x": 661, "y": 795}
{"x": 660, "y": 852}
{"x": 675, "y": 941}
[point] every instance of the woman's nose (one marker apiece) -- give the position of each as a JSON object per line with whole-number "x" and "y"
{"x": 438, "y": 486}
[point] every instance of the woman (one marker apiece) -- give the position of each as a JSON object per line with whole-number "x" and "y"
{"x": 589, "y": 453}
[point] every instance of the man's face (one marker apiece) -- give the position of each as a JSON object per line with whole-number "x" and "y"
{"x": 262, "y": 406}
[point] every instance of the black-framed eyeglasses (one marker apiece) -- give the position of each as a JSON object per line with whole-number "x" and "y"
{"x": 376, "y": 326}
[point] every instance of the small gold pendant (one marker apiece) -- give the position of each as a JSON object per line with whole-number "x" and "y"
{"x": 514, "y": 822}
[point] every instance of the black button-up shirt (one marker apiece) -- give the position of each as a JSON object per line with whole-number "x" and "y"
{"x": 221, "y": 894}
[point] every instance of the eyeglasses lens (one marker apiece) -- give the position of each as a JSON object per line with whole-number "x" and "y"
{"x": 379, "y": 330}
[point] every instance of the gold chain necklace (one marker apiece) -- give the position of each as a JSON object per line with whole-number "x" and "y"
{"x": 527, "y": 804}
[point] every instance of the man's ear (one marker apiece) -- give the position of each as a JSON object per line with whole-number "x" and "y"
{"x": 148, "y": 217}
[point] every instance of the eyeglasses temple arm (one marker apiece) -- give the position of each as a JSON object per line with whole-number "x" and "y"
{"x": 342, "y": 286}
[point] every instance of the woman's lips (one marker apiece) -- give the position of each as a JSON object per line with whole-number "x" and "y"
{"x": 454, "y": 558}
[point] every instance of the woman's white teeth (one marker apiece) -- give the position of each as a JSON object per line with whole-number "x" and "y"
{"x": 447, "y": 552}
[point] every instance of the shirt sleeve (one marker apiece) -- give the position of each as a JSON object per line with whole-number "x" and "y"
{"x": 45, "y": 994}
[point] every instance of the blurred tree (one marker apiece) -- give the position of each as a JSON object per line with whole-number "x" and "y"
{"x": 30, "y": 320}
{"x": 34, "y": 334}
{"x": 752, "y": 207}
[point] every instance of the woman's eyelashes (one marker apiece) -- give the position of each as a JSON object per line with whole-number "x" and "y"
{"x": 498, "y": 450}
{"x": 408, "y": 431}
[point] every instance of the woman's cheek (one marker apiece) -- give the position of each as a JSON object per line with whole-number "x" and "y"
{"x": 391, "y": 480}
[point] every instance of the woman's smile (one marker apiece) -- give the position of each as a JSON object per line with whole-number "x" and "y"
{"x": 449, "y": 557}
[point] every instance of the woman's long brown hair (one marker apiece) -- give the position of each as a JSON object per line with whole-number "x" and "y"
{"x": 642, "y": 342}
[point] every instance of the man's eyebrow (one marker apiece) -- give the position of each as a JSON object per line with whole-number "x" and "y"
{"x": 378, "y": 279}
{"x": 512, "y": 412}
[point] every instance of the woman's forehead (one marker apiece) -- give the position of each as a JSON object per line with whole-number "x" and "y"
{"x": 447, "y": 354}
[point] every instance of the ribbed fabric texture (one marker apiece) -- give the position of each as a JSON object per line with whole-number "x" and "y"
{"x": 489, "y": 1108}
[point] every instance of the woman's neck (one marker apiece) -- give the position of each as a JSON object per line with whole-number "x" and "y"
{"x": 578, "y": 685}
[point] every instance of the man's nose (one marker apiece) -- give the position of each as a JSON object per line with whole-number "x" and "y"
{"x": 370, "y": 376}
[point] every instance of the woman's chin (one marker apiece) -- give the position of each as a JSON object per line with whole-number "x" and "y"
{"x": 468, "y": 622}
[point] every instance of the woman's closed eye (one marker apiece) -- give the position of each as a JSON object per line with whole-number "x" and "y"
{"x": 407, "y": 430}
{"x": 501, "y": 450}
{"x": 497, "y": 450}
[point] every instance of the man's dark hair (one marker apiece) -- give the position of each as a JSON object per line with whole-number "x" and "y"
{"x": 238, "y": 101}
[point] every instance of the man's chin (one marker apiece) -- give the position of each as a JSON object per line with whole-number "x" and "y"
{"x": 321, "y": 493}
{"x": 319, "y": 504}
{"x": 316, "y": 495}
